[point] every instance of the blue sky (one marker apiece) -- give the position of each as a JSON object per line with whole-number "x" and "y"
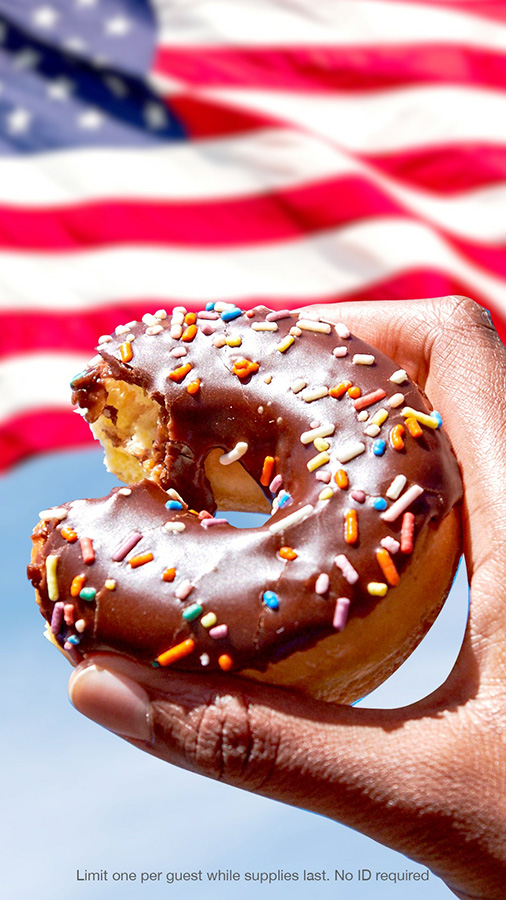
{"x": 77, "y": 797}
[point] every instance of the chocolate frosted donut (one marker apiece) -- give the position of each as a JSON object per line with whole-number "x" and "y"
{"x": 264, "y": 411}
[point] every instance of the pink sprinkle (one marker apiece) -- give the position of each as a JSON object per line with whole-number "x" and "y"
{"x": 204, "y": 514}
{"x": 207, "y": 329}
{"x": 322, "y": 583}
{"x": 390, "y": 544}
{"x": 407, "y": 532}
{"x": 278, "y": 314}
{"x": 343, "y": 563}
{"x": 340, "y": 351}
{"x": 207, "y": 523}
{"x": 57, "y": 617}
{"x": 68, "y": 612}
{"x": 341, "y": 613}
{"x": 219, "y": 631}
{"x": 207, "y": 314}
{"x": 179, "y": 351}
{"x": 400, "y": 505}
{"x": 275, "y": 484}
{"x": 368, "y": 399}
{"x": 323, "y": 476}
{"x": 359, "y": 496}
{"x": 184, "y": 590}
{"x": 87, "y": 550}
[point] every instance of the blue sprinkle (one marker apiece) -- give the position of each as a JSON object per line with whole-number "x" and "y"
{"x": 435, "y": 415}
{"x": 380, "y": 503}
{"x": 156, "y": 664}
{"x": 79, "y": 375}
{"x": 173, "y": 504}
{"x": 209, "y": 307}
{"x": 284, "y": 499}
{"x": 73, "y": 639}
{"x": 379, "y": 447}
{"x": 230, "y": 314}
{"x": 271, "y": 599}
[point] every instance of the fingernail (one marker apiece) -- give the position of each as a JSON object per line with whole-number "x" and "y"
{"x": 113, "y": 701}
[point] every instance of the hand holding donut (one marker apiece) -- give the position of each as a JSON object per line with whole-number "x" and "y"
{"x": 427, "y": 780}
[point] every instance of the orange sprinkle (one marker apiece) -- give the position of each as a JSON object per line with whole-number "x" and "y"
{"x": 194, "y": 386}
{"x": 413, "y": 427}
{"x": 340, "y": 389}
{"x": 126, "y": 351}
{"x": 77, "y": 584}
{"x": 396, "y": 437}
{"x": 189, "y": 333}
{"x": 181, "y": 372}
{"x": 287, "y": 553}
{"x": 140, "y": 560}
{"x": 351, "y": 526}
{"x": 267, "y": 470}
{"x": 354, "y": 392}
{"x": 190, "y": 318}
{"x": 69, "y": 534}
{"x": 387, "y": 566}
{"x": 225, "y": 662}
{"x": 169, "y": 574}
{"x": 245, "y": 367}
{"x": 341, "y": 479}
{"x": 179, "y": 651}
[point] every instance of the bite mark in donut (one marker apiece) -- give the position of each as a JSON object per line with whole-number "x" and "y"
{"x": 263, "y": 411}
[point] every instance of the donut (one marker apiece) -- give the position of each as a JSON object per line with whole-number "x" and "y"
{"x": 266, "y": 411}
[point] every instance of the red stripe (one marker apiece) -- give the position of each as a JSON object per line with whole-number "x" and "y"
{"x": 203, "y": 118}
{"x": 447, "y": 169}
{"x": 329, "y": 68}
{"x": 38, "y": 432}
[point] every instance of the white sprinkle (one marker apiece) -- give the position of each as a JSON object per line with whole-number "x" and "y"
{"x": 322, "y": 583}
{"x": 399, "y": 377}
{"x": 264, "y": 326}
{"x": 323, "y": 476}
{"x": 173, "y": 494}
{"x": 400, "y": 505}
{"x": 318, "y": 327}
{"x": 390, "y": 544}
{"x": 149, "y": 319}
{"x": 184, "y": 590}
{"x": 349, "y": 451}
{"x": 160, "y": 314}
{"x": 395, "y": 400}
{"x": 298, "y": 385}
{"x": 342, "y": 330}
{"x": 176, "y": 332}
{"x": 131, "y": 337}
{"x": 363, "y": 415}
{"x": 80, "y": 625}
{"x": 174, "y": 527}
{"x": 325, "y": 430}
{"x": 233, "y": 455}
{"x": 293, "y": 519}
{"x": 219, "y": 340}
{"x": 295, "y": 331}
{"x": 342, "y": 562}
{"x": 397, "y": 486}
{"x": 315, "y": 394}
{"x": 204, "y": 659}
{"x": 340, "y": 351}
{"x": 363, "y": 359}
{"x": 341, "y": 613}
{"x": 268, "y": 379}
{"x": 223, "y": 306}
{"x": 121, "y": 329}
{"x": 180, "y": 309}
{"x": 177, "y": 317}
{"x": 125, "y": 492}
{"x": 154, "y": 329}
{"x": 372, "y": 430}
{"x": 57, "y": 513}
{"x": 104, "y": 339}
{"x": 178, "y": 352}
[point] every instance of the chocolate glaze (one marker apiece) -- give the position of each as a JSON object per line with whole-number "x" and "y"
{"x": 231, "y": 569}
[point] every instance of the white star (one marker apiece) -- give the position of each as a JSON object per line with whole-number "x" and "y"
{"x": 155, "y": 116}
{"x": 60, "y": 89}
{"x": 86, "y": 2}
{"x": 27, "y": 58}
{"x": 91, "y": 119}
{"x": 75, "y": 45}
{"x": 18, "y": 121}
{"x": 118, "y": 26}
{"x": 45, "y": 16}
{"x": 116, "y": 85}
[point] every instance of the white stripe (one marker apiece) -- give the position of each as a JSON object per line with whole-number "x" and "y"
{"x": 339, "y": 23}
{"x": 386, "y": 121}
{"x": 332, "y": 262}
{"x": 34, "y": 381}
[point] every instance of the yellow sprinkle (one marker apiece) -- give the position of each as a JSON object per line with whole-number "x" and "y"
{"x": 234, "y": 341}
{"x": 285, "y": 343}
{"x": 321, "y": 444}
{"x": 379, "y": 417}
{"x": 52, "y": 584}
{"x": 208, "y": 620}
{"x": 318, "y": 461}
{"x": 110, "y": 584}
{"x": 377, "y": 588}
{"x": 326, "y": 494}
{"x": 423, "y": 418}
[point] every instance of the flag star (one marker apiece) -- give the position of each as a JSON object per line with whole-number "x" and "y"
{"x": 90, "y": 120}
{"x": 86, "y": 2}
{"x": 75, "y": 44}
{"x": 45, "y": 16}
{"x": 118, "y": 26}
{"x": 18, "y": 121}
{"x": 27, "y": 58}
{"x": 155, "y": 116}
{"x": 116, "y": 85}
{"x": 60, "y": 89}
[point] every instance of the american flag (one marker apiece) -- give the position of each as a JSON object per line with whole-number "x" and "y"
{"x": 277, "y": 151}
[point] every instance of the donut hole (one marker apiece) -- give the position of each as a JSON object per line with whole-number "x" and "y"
{"x": 233, "y": 487}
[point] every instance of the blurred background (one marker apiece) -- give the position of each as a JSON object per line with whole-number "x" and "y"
{"x": 177, "y": 152}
